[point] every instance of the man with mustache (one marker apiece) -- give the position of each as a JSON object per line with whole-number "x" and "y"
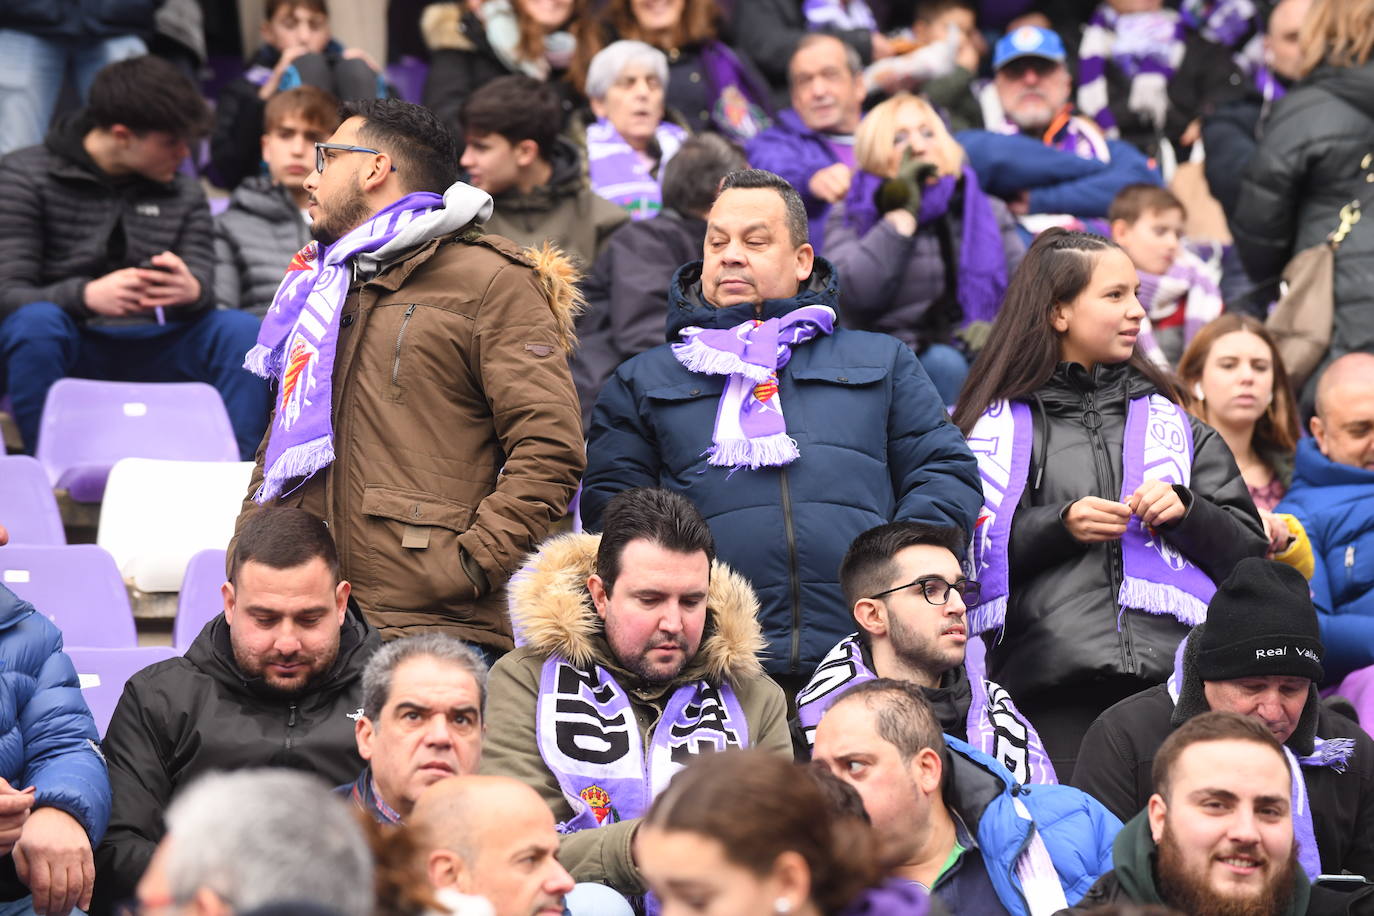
{"x": 1217, "y": 837}
{"x": 637, "y": 651}
{"x": 792, "y": 435}
{"x": 1052, "y": 166}
{"x": 274, "y": 681}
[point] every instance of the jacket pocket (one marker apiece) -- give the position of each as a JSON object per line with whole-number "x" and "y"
{"x": 413, "y": 553}
{"x": 396, "y": 391}
{"x": 845, "y": 406}
{"x": 684, "y": 417}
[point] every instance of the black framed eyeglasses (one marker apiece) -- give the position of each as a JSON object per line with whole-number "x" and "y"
{"x": 340, "y": 148}
{"x": 936, "y": 590}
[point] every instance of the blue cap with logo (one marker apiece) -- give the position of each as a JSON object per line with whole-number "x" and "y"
{"x": 1028, "y": 41}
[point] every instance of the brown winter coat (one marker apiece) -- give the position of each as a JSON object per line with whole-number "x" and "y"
{"x": 457, "y": 433}
{"x": 552, "y": 610}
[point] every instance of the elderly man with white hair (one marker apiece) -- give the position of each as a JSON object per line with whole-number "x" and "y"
{"x": 239, "y": 841}
{"x": 631, "y": 139}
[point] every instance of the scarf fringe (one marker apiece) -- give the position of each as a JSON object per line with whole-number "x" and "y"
{"x": 698, "y": 356}
{"x": 300, "y": 460}
{"x": 1331, "y": 752}
{"x": 990, "y": 615}
{"x": 766, "y": 451}
{"x": 1155, "y": 598}
{"x": 262, "y": 361}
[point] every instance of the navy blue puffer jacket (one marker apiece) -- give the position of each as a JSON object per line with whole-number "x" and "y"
{"x": 80, "y": 20}
{"x": 47, "y": 736}
{"x": 876, "y": 446}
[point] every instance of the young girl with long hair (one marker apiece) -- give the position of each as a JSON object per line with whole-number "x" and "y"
{"x": 1109, "y": 513}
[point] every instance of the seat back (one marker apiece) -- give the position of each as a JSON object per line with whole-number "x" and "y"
{"x": 89, "y": 425}
{"x": 103, "y": 673}
{"x": 75, "y": 586}
{"x": 27, "y": 507}
{"x": 200, "y": 600}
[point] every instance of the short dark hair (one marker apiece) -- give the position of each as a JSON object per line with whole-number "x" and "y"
{"x": 852, "y": 58}
{"x": 317, "y": 108}
{"x": 691, "y": 177}
{"x": 651, "y": 514}
{"x": 1209, "y": 726}
{"x": 315, "y": 6}
{"x": 421, "y": 146}
{"x": 868, "y": 567}
{"x": 147, "y": 93}
{"x": 749, "y": 179}
{"x": 1135, "y": 200}
{"x": 902, "y": 715}
{"x": 518, "y": 108}
{"x": 380, "y": 669}
{"x": 283, "y": 537}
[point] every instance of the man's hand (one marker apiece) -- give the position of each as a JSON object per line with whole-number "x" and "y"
{"x": 288, "y": 57}
{"x": 1156, "y": 504}
{"x": 15, "y": 805}
{"x": 881, "y": 45}
{"x": 1093, "y": 519}
{"x": 360, "y": 54}
{"x": 53, "y": 857}
{"x": 173, "y": 285}
{"x": 117, "y": 293}
{"x": 831, "y": 183}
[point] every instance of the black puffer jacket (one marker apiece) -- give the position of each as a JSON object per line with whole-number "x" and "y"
{"x": 80, "y": 20}
{"x": 1062, "y": 621}
{"x": 189, "y": 715}
{"x": 64, "y": 222}
{"x": 255, "y": 240}
{"x": 1306, "y": 168}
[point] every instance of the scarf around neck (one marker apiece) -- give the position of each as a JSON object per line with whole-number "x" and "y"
{"x": 1334, "y": 753}
{"x": 620, "y": 174}
{"x": 838, "y": 14}
{"x": 503, "y": 34}
{"x": 1158, "y": 445}
{"x": 750, "y": 429}
{"x": 1188, "y": 284}
{"x": 981, "y": 278}
{"x": 993, "y": 724}
{"x": 297, "y": 340}
{"x": 742, "y": 109}
{"x": 1146, "y": 47}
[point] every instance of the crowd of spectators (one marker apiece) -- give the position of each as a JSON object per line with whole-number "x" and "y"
{"x": 806, "y": 457}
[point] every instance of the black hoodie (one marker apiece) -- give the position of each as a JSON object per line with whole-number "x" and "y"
{"x": 189, "y": 715}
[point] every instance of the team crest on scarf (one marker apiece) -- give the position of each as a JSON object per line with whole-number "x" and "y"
{"x": 600, "y": 802}
{"x": 297, "y": 380}
{"x": 303, "y": 258}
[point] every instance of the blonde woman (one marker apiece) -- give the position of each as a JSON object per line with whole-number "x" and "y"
{"x": 1311, "y": 161}
{"x": 923, "y": 253}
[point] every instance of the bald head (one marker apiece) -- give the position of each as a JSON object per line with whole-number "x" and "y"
{"x": 1344, "y": 424}
{"x": 493, "y": 837}
{"x": 1282, "y": 51}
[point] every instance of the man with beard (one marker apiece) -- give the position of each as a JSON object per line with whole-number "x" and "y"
{"x": 911, "y": 601}
{"x": 273, "y": 681}
{"x": 1217, "y": 837}
{"x": 638, "y": 652}
{"x": 1052, "y": 166}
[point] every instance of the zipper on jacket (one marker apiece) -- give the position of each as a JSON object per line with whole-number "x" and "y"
{"x": 1349, "y": 563}
{"x": 793, "y": 571}
{"x": 400, "y": 338}
{"x": 290, "y": 724}
{"x": 1114, "y": 563}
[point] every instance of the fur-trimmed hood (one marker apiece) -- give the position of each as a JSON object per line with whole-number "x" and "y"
{"x": 561, "y": 282}
{"x": 551, "y": 612}
{"x": 443, "y": 28}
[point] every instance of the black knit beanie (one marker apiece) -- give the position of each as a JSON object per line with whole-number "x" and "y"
{"x": 1260, "y": 622}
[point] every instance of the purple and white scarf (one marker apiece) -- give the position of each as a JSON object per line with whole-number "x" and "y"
{"x": 1158, "y": 445}
{"x": 994, "y": 725}
{"x": 742, "y": 108}
{"x": 1146, "y": 47}
{"x": 1067, "y": 133}
{"x": 1334, "y": 753}
{"x": 1190, "y": 284}
{"x": 590, "y": 740}
{"x": 623, "y": 175}
{"x": 750, "y": 429}
{"x": 297, "y": 339}
{"x": 839, "y": 14}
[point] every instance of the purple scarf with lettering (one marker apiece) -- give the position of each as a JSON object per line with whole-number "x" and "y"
{"x": 994, "y": 725}
{"x": 838, "y": 14}
{"x": 742, "y": 108}
{"x": 750, "y": 429}
{"x": 590, "y": 740}
{"x": 620, "y": 174}
{"x": 1146, "y": 47}
{"x": 296, "y": 343}
{"x": 1158, "y": 445}
{"x": 982, "y": 270}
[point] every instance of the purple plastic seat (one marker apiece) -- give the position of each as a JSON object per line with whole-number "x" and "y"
{"x": 89, "y": 425}
{"x": 200, "y": 600}
{"x": 77, "y": 587}
{"x": 27, "y": 507}
{"x": 407, "y": 76}
{"x": 104, "y": 671}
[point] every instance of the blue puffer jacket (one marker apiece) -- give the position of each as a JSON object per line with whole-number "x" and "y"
{"x": 1335, "y": 503}
{"x": 47, "y": 736}
{"x": 796, "y": 152}
{"x": 80, "y": 20}
{"x": 1077, "y": 830}
{"x": 875, "y": 442}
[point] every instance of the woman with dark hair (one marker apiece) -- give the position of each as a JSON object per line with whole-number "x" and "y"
{"x": 708, "y": 84}
{"x": 1109, "y": 513}
{"x": 744, "y": 833}
{"x": 472, "y": 42}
